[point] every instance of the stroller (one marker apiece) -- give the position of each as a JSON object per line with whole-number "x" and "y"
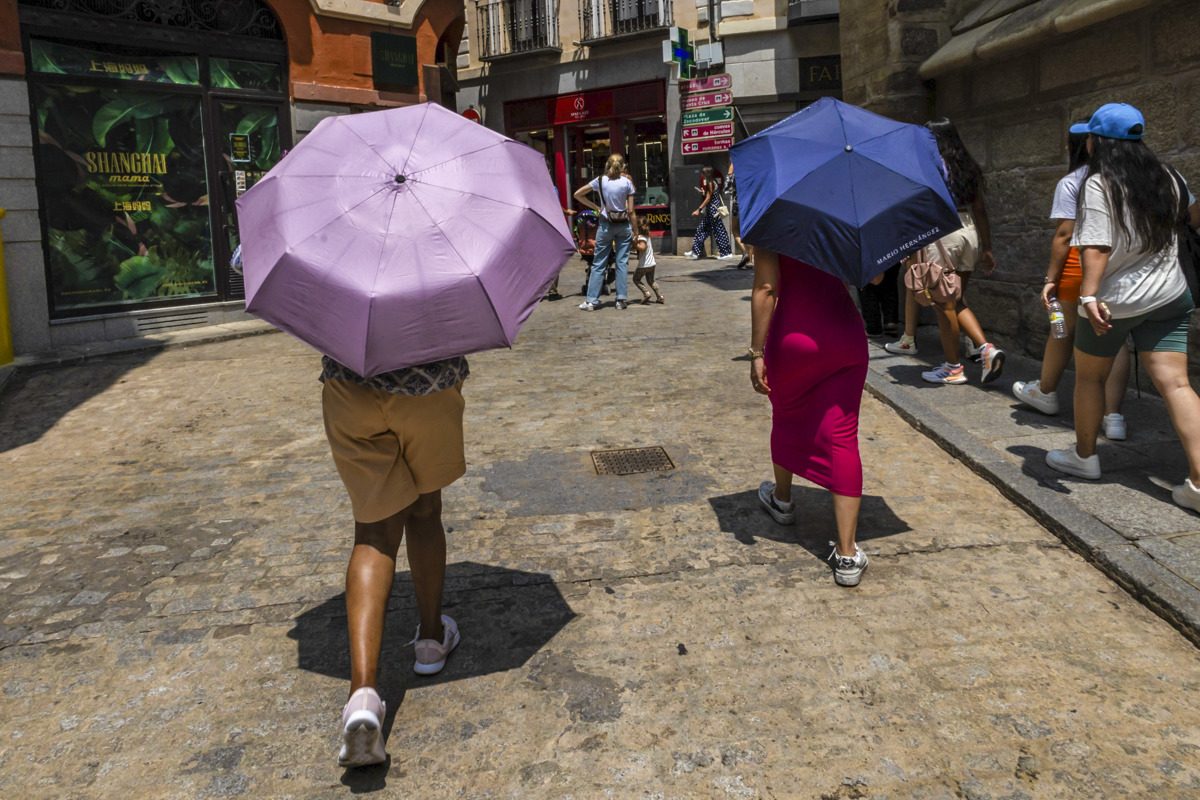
{"x": 586, "y": 223}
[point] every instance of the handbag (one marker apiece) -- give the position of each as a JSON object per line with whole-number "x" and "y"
{"x": 1189, "y": 240}
{"x": 723, "y": 210}
{"x": 931, "y": 282}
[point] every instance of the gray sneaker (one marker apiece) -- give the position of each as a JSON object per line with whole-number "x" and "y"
{"x": 621, "y": 305}
{"x": 848, "y": 571}
{"x": 431, "y": 654}
{"x": 784, "y": 515}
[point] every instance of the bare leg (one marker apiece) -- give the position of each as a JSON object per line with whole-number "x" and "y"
{"x": 967, "y": 321}
{"x": 1058, "y": 352}
{"x": 948, "y": 327}
{"x": 1090, "y": 373}
{"x": 845, "y": 514}
{"x": 1117, "y": 383}
{"x": 912, "y": 311}
{"x": 368, "y": 586}
{"x": 426, "y": 546}
{"x": 1169, "y": 373}
{"x": 783, "y": 484}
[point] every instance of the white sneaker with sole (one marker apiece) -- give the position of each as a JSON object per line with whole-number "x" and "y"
{"x": 431, "y": 654}
{"x": 690, "y": 255}
{"x": 1069, "y": 461}
{"x": 362, "y": 730}
{"x": 946, "y": 373}
{"x": 905, "y": 347}
{"x": 848, "y": 571}
{"x": 1030, "y": 393}
{"x": 993, "y": 362}
{"x": 726, "y": 257}
{"x": 1114, "y": 427}
{"x": 783, "y": 514}
{"x": 1187, "y": 495}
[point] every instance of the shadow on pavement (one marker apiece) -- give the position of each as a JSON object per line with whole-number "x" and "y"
{"x": 728, "y": 277}
{"x": 36, "y": 400}
{"x": 742, "y": 515}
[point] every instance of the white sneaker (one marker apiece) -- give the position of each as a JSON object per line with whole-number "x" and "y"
{"x": 993, "y": 362}
{"x": 1187, "y": 495}
{"x": 690, "y": 255}
{"x": 974, "y": 353}
{"x": 586, "y": 306}
{"x": 431, "y": 654}
{"x": 726, "y": 257}
{"x": 1068, "y": 461}
{"x": 907, "y": 346}
{"x": 362, "y": 730}
{"x": 783, "y": 514}
{"x": 1030, "y": 393}
{"x": 1114, "y": 427}
{"x": 848, "y": 571}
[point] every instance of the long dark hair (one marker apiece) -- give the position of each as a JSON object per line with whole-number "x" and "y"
{"x": 965, "y": 178}
{"x": 1077, "y": 150}
{"x": 1140, "y": 189}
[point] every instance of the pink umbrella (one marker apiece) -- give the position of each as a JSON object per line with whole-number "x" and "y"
{"x": 401, "y": 237}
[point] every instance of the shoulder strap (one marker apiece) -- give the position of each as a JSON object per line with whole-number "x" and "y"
{"x": 945, "y": 256}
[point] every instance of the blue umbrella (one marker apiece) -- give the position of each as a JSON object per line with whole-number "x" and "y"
{"x": 842, "y": 189}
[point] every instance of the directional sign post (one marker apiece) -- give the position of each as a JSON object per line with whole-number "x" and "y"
{"x": 691, "y": 148}
{"x": 716, "y": 130}
{"x": 708, "y": 115}
{"x": 712, "y": 82}
{"x": 721, "y": 97}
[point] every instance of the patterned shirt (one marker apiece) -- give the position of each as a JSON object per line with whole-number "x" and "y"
{"x": 420, "y": 379}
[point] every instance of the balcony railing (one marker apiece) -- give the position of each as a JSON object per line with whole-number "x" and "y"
{"x": 615, "y": 19}
{"x": 510, "y": 28}
{"x": 802, "y": 11}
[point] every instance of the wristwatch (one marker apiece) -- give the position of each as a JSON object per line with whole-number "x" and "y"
{"x": 750, "y": 351}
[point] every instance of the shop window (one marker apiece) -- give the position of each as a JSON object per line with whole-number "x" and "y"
{"x": 55, "y": 58}
{"x": 233, "y": 73}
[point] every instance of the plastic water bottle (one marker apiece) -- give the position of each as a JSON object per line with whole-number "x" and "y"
{"x": 1058, "y": 322}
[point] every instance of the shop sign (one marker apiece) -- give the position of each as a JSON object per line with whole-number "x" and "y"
{"x": 657, "y": 217}
{"x": 712, "y": 82}
{"x": 707, "y": 99}
{"x": 708, "y": 115}
{"x": 394, "y": 59}
{"x": 54, "y": 58}
{"x": 239, "y": 147}
{"x": 578, "y": 107}
{"x": 707, "y": 146}
{"x": 821, "y": 73}
{"x": 715, "y": 130}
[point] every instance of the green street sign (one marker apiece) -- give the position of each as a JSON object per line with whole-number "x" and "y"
{"x": 708, "y": 115}
{"x": 394, "y": 59}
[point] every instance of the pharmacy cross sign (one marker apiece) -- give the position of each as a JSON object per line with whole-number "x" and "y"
{"x": 680, "y": 51}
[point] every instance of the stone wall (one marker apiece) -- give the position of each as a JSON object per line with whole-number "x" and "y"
{"x": 1014, "y": 115}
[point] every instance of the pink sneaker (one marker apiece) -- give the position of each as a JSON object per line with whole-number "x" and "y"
{"x": 431, "y": 654}
{"x": 362, "y": 730}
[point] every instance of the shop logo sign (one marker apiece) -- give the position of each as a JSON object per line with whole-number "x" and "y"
{"x": 127, "y": 167}
{"x": 579, "y": 104}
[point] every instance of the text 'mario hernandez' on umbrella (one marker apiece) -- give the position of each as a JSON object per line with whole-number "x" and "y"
{"x": 400, "y": 237}
{"x": 843, "y": 189}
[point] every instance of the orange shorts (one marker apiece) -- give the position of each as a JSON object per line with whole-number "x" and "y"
{"x": 1072, "y": 277}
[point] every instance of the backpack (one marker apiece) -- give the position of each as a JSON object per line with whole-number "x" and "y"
{"x": 1189, "y": 239}
{"x": 930, "y": 282}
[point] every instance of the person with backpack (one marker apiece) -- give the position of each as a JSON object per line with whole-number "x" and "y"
{"x": 615, "y": 231}
{"x": 1131, "y": 211}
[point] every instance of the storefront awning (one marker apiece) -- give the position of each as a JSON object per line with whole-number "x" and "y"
{"x": 999, "y": 28}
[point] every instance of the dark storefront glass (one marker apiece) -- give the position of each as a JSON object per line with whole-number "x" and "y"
{"x": 122, "y": 173}
{"x": 234, "y": 73}
{"x": 55, "y": 58}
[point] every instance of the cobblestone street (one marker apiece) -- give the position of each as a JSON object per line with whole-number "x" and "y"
{"x": 173, "y": 540}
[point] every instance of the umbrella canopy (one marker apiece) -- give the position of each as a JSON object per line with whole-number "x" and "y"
{"x": 401, "y": 237}
{"x": 845, "y": 190}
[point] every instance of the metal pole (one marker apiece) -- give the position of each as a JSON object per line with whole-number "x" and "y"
{"x": 6, "y": 345}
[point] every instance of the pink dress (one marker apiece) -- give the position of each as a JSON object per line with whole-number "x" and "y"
{"x": 816, "y": 365}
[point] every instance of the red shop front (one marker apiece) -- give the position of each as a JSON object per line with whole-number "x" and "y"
{"x": 578, "y": 132}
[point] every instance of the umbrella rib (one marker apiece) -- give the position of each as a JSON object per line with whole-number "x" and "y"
{"x": 456, "y": 157}
{"x": 368, "y": 146}
{"x": 496, "y": 200}
{"x": 292, "y": 247}
{"x": 378, "y": 268}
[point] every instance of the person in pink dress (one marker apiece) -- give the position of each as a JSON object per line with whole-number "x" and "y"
{"x": 808, "y": 354}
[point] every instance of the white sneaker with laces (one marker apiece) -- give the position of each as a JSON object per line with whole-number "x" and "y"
{"x": 726, "y": 257}
{"x": 431, "y": 654}
{"x": 1187, "y": 495}
{"x": 847, "y": 571}
{"x": 907, "y": 346}
{"x": 993, "y": 362}
{"x": 690, "y": 255}
{"x": 781, "y": 513}
{"x": 586, "y": 306}
{"x": 1069, "y": 461}
{"x": 1030, "y": 393}
{"x": 362, "y": 730}
{"x": 1114, "y": 427}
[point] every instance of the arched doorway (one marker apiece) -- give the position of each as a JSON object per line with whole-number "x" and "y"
{"x": 151, "y": 117}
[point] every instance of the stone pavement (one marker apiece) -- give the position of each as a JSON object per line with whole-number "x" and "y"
{"x": 1126, "y": 523}
{"x": 173, "y": 538}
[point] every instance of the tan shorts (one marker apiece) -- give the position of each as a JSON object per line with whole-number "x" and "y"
{"x": 962, "y": 246}
{"x": 389, "y": 448}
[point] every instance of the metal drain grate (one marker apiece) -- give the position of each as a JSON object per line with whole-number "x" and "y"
{"x": 631, "y": 461}
{"x": 170, "y": 321}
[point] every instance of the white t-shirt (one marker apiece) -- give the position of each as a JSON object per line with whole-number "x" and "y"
{"x": 1133, "y": 282}
{"x": 613, "y": 194}
{"x": 1066, "y": 194}
{"x": 646, "y": 259}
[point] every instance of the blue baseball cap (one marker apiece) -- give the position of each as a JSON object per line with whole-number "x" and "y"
{"x": 1114, "y": 121}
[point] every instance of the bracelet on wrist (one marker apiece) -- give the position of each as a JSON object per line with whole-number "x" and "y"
{"x": 754, "y": 354}
{"x": 1083, "y": 301}
{"x": 1049, "y": 280}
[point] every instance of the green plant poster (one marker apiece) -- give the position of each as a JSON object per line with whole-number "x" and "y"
{"x": 125, "y": 194}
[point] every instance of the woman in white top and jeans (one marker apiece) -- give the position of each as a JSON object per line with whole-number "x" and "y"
{"x": 1132, "y": 285}
{"x": 615, "y": 232}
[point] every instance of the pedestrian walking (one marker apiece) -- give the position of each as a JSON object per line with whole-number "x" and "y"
{"x": 735, "y": 220}
{"x": 967, "y": 248}
{"x": 645, "y": 265}
{"x": 614, "y": 235}
{"x": 880, "y": 303}
{"x": 1062, "y": 284}
{"x": 397, "y": 441}
{"x": 710, "y": 223}
{"x": 808, "y": 355}
{"x": 1127, "y": 230}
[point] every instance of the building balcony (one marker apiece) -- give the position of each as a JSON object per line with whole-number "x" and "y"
{"x": 611, "y": 20}
{"x": 514, "y": 28}
{"x": 802, "y": 12}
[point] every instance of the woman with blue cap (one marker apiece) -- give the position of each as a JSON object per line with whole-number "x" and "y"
{"x": 1127, "y": 224}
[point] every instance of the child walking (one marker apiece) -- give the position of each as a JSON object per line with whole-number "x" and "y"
{"x": 645, "y": 267}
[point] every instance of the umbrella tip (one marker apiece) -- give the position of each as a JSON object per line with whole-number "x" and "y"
{"x": 402, "y": 179}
